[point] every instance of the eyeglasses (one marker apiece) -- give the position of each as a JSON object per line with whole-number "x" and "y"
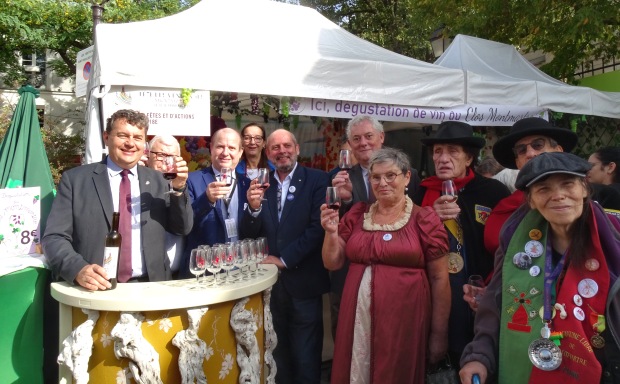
{"x": 161, "y": 155}
{"x": 536, "y": 144}
{"x": 389, "y": 177}
{"x": 257, "y": 139}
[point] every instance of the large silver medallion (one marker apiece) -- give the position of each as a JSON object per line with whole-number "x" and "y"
{"x": 545, "y": 355}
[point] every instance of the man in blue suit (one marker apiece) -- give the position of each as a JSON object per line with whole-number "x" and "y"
{"x": 217, "y": 207}
{"x": 290, "y": 219}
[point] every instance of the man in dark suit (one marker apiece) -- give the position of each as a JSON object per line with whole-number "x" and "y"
{"x": 81, "y": 214}
{"x": 365, "y": 135}
{"x": 290, "y": 219}
{"x": 218, "y": 207}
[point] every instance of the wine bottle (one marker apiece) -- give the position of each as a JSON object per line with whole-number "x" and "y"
{"x": 111, "y": 255}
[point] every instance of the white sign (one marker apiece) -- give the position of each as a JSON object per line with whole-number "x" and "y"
{"x": 487, "y": 115}
{"x": 165, "y": 108}
{"x": 20, "y": 211}
{"x": 83, "y": 65}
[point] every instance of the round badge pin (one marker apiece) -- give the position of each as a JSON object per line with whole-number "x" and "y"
{"x": 522, "y": 260}
{"x": 592, "y": 265}
{"x": 535, "y": 234}
{"x": 579, "y": 314}
{"x": 577, "y": 300}
{"x": 587, "y": 288}
{"x": 387, "y": 237}
{"x": 535, "y": 271}
{"x": 292, "y": 189}
{"x": 290, "y": 197}
{"x": 534, "y": 248}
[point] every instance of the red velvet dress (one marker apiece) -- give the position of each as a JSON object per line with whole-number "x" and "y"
{"x": 398, "y": 295}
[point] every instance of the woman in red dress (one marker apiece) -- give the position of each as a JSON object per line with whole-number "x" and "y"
{"x": 396, "y": 299}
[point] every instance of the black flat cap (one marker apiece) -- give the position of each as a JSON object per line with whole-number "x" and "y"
{"x": 455, "y": 132}
{"x": 550, "y": 163}
{"x": 502, "y": 150}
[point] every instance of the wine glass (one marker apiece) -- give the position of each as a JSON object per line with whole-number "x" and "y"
{"x": 262, "y": 251}
{"x": 449, "y": 189}
{"x": 169, "y": 169}
{"x": 228, "y": 262}
{"x": 477, "y": 286}
{"x": 215, "y": 258}
{"x": 332, "y": 199}
{"x": 226, "y": 177}
{"x": 344, "y": 159}
{"x": 252, "y": 257}
{"x": 263, "y": 179}
{"x": 241, "y": 258}
{"x": 197, "y": 263}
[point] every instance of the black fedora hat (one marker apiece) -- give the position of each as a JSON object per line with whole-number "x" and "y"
{"x": 455, "y": 132}
{"x": 550, "y": 163}
{"x": 502, "y": 150}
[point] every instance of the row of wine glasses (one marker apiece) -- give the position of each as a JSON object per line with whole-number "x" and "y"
{"x": 239, "y": 254}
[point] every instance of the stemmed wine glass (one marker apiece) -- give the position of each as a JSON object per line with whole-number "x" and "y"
{"x": 262, "y": 251}
{"x": 332, "y": 199}
{"x": 226, "y": 177}
{"x": 241, "y": 258}
{"x": 252, "y": 257}
{"x": 263, "y": 179}
{"x": 197, "y": 264}
{"x": 449, "y": 189}
{"x": 169, "y": 169}
{"x": 228, "y": 263}
{"x": 344, "y": 160}
{"x": 215, "y": 259}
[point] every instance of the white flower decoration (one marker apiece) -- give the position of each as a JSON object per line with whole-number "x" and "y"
{"x": 226, "y": 366}
{"x": 165, "y": 324}
{"x": 106, "y": 339}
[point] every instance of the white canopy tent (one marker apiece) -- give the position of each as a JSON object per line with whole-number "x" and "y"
{"x": 258, "y": 46}
{"x": 497, "y": 71}
{"x": 272, "y": 48}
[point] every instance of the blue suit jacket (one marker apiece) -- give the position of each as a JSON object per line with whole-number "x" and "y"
{"x": 297, "y": 237}
{"x": 209, "y": 227}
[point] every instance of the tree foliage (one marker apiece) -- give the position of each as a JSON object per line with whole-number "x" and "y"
{"x": 572, "y": 31}
{"x": 64, "y": 27}
{"x": 397, "y": 25}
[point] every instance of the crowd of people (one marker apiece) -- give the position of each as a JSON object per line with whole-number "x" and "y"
{"x": 396, "y": 257}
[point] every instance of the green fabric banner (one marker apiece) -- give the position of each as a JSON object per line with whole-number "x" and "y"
{"x": 23, "y": 160}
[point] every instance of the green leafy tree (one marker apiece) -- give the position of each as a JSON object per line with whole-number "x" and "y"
{"x": 397, "y": 25}
{"x": 64, "y": 27}
{"x": 573, "y": 32}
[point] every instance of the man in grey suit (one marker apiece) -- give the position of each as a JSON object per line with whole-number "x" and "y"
{"x": 81, "y": 214}
{"x": 365, "y": 135}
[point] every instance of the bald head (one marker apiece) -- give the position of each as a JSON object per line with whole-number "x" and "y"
{"x": 225, "y": 148}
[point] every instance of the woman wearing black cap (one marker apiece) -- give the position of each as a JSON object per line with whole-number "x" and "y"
{"x": 455, "y": 151}
{"x": 557, "y": 318}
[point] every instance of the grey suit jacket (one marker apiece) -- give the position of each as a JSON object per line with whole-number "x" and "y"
{"x": 81, "y": 216}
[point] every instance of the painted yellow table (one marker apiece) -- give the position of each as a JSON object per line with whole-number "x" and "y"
{"x": 164, "y": 307}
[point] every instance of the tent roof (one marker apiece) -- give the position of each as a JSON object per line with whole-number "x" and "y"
{"x": 266, "y": 47}
{"x": 496, "y": 70}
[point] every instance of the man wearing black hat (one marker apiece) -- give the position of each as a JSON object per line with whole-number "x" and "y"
{"x": 528, "y": 138}
{"x": 455, "y": 151}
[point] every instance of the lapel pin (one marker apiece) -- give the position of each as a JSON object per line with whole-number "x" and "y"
{"x": 292, "y": 189}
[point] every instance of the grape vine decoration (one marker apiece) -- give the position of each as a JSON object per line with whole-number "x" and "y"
{"x": 186, "y": 95}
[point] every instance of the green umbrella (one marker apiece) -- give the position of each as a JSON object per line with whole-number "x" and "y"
{"x": 23, "y": 161}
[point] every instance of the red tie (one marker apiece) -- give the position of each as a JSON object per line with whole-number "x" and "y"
{"x": 124, "y": 228}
